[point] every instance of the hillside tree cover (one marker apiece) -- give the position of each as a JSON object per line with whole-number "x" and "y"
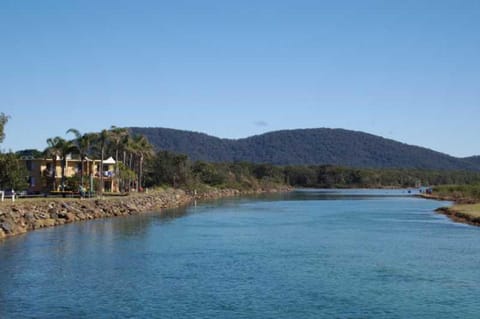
{"x": 305, "y": 147}
{"x": 139, "y": 166}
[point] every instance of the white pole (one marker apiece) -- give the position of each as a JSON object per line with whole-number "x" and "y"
{"x": 13, "y": 195}
{"x": 2, "y": 194}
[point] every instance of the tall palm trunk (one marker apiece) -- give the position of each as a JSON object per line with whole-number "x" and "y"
{"x": 124, "y": 165}
{"x": 140, "y": 171}
{"x": 101, "y": 171}
{"x": 130, "y": 166}
{"x": 54, "y": 172}
{"x": 64, "y": 163}
{"x": 82, "y": 163}
{"x": 117, "y": 170}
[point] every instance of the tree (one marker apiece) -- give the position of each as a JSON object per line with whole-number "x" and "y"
{"x": 82, "y": 144}
{"x": 53, "y": 151}
{"x": 66, "y": 148}
{"x": 3, "y": 121}
{"x": 168, "y": 169}
{"x": 59, "y": 148}
{"x": 143, "y": 149}
{"x": 102, "y": 141}
{"x": 13, "y": 174}
{"x": 126, "y": 146}
{"x": 117, "y": 136}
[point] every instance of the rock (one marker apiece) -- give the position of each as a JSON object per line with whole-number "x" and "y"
{"x": 43, "y": 215}
{"x": 49, "y": 222}
{"x": 69, "y": 217}
{"x": 29, "y": 216}
{"x": 7, "y": 227}
{"x": 38, "y": 224}
{"x": 52, "y": 210}
{"x": 12, "y": 215}
{"x": 132, "y": 208}
{"x": 52, "y": 205}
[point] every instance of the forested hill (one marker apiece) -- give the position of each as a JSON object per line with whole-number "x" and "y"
{"x": 305, "y": 146}
{"x": 474, "y": 160}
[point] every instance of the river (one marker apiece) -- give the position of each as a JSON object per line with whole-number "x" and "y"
{"x": 308, "y": 254}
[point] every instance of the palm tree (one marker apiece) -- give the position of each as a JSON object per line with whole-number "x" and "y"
{"x": 117, "y": 135}
{"x": 128, "y": 148}
{"x": 82, "y": 144}
{"x": 102, "y": 140}
{"x": 143, "y": 149}
{"x": 53, "y": 151}
{"x": 65, "y": 147}
{"x": 59, "y": 147}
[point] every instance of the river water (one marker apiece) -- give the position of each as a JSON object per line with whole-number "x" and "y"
{"x": 308, "y": 254}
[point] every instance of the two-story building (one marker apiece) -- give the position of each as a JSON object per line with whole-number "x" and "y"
{"x": 42, "y": 171}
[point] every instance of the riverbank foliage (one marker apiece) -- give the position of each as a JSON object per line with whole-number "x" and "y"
{"x": 175, "y": 170}
{"x": 13, "y": 175}
{"x": 459, "y": 192}
{"x": 139, "y": 166}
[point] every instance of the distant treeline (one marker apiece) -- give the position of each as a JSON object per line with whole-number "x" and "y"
{"x": 167, "y": 168}
{"x": 459, "y": 192}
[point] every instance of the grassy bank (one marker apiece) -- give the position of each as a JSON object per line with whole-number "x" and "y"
{"x": 463, "y": 213}
{"x": 467, "y": 202}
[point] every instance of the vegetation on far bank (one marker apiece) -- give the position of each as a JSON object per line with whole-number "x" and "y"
{"x": 139, "y": 166}
{"x": 460, "y": 192}
{"x": 305, "y": 147}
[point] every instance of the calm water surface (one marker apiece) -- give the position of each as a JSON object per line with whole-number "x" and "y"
{"x": 310, "y": 254}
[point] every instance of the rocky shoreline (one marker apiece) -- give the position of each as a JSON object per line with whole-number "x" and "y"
{"x": 30, "y": 214}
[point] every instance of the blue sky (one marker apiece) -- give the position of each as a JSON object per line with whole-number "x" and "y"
{"x": 405, "y": 70}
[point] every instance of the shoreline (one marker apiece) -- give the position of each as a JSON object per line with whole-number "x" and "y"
{"x": 25, "y": 215}
{"x": 459, "y": 216}
{"x": 463, "y": 210}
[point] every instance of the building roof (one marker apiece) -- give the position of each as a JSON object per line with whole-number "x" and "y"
{"x": 109, "y": 160}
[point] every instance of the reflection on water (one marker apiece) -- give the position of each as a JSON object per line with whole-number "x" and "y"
{"x": 307, "y": 254}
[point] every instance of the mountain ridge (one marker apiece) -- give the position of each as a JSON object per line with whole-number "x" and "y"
{"x": 309, "y": 146}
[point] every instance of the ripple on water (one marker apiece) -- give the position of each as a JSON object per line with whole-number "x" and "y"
{"x": 312, "y": 254}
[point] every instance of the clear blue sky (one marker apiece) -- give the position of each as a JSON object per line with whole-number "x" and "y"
{"x": 406, "y": 70}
